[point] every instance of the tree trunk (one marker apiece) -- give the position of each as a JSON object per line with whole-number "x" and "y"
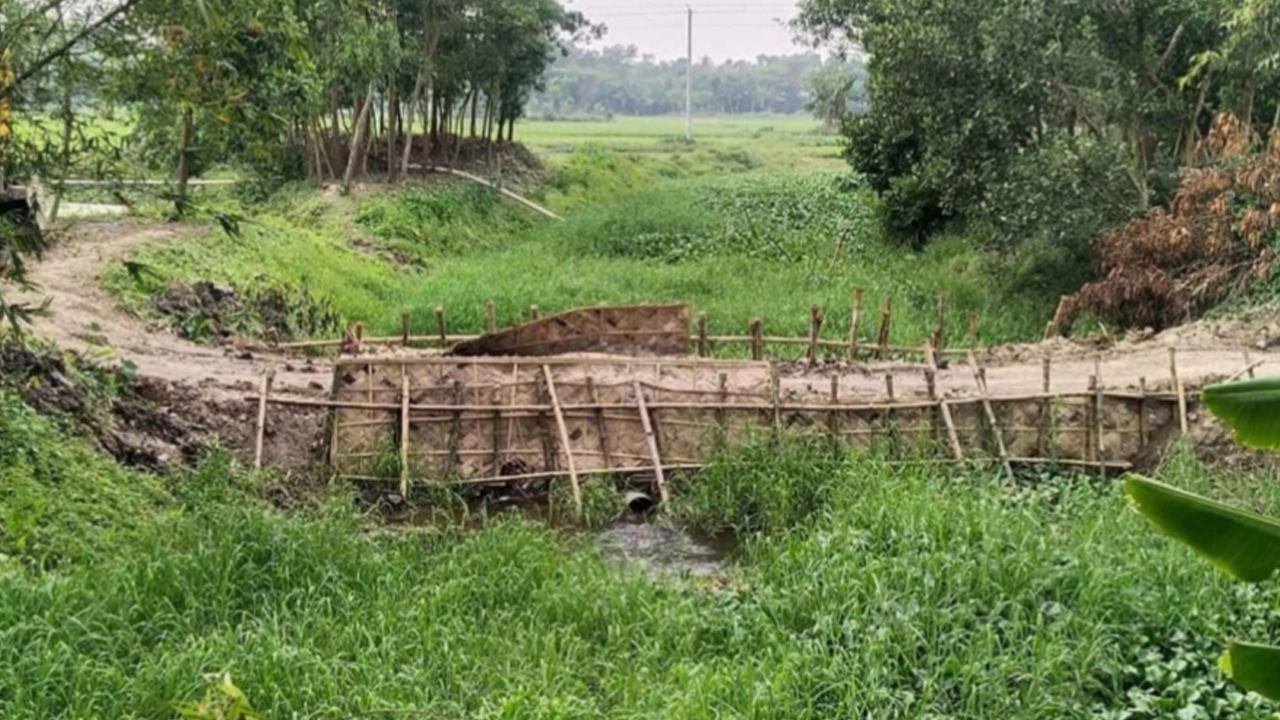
{"x": 393, "y": 121}
{"x": 475, "y": 104}
{"x": 68, "y": 120}
{"x": 184, "y": 160}
{"x": 357, "y": 141}
{"x": 408, "y": 141}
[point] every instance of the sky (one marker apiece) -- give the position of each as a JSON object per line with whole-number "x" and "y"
{"x": 722, "y": 29}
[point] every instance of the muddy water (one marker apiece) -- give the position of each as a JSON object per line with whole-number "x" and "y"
{"x": 665, "y": 551}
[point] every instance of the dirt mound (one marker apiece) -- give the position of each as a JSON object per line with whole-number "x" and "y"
{"x": 207, "y": 311}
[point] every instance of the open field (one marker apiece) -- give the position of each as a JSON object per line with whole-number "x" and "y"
{"x": 771, "y": 141}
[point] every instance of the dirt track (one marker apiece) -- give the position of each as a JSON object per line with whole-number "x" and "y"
{"x": 86, "y": 318}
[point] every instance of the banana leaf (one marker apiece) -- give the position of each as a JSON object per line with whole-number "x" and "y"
{"x": 1242, "y": 544}
{"x": 1254, "y": 667}
{"x": 1250, "y": 408}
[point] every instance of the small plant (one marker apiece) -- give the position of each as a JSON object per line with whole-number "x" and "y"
{"x": 222, "y": 701}
{"x": 1243, "y": 544}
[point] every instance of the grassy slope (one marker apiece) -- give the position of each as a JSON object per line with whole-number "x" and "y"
{"x": 651, "y": 225}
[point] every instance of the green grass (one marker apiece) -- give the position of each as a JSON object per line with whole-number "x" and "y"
{"x": 760, "y": 244}
{"x": 764, "y": 141}
{"x": 867, "y": 592}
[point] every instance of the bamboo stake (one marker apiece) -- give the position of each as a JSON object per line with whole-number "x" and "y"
{"x": 973, "y": 330}
{"x": 724, "y": 399}
{"x": 815, "y": 332}
{"x": 1046, "y": 409}
{"x": 534, "y": 313}
{"x": 333, "y": 419}
{"x": 702, "y": 334}
{"x": 1177, "y": 387}
{"x": 1142, "y": 412}
{"x": 854, "y": 322}
{"x": 444, "y": 338}
{"x": 548, "y": 451}
{"x": 261, "y": 434}
{"x": 404, "y": 436}
{"x": 754, "y": 329}
{"x": 980, "y": 379}
{"x": 497, "y": 441}
{"x": 602, "y": 429}
{"x": 935, "y": 419}
{"x": 889, "y": 415}
{"x": 404, "y": 327}
{"x": 945, "y": 410}
{"x": 455, "y": 429}
{"x": 652, "y": 443}
{"x": 1091, "y": 424}
{"x": 940, "y": 332}
{"x": 564, "y": 437}
{"x": 1098, "y": 417}
{"x": 775, "y": 397}
{"x": 882, "y": 340}
{"x": 833, "y": 417}
{"x": 490, "y": 317}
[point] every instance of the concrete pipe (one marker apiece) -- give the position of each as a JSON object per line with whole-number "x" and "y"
{"x": 638, "y": 502}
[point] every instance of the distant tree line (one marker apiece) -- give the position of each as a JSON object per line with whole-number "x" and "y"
{"x": 620, "y": 80}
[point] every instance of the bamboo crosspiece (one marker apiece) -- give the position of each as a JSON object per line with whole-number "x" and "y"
{"x": 564, "y": 437}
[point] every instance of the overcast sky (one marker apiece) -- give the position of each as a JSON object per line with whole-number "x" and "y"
{"x": 722, "y": 29}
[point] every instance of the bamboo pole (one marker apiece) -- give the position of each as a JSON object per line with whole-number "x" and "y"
{"x": 935, "y": 416}
{"x": 980, "y": 379}
{"x": 404, "y": 436}
{"x": 973, "y": 330}
{"x": 564, "y": 437}
{"x": 1142, "y": 412}
{"x": 1249, "y": 364}
{"x": 548, "y": 450}
{"x": 490, "y": 317}
{"x": 1177, "y": 387}
{"x": 724, "y": 399}
{"x": 404, "y": 327}
{"x": 534, "y": 313}
{"x": 260, "y": 436}
{"x": 815, "y": 333}
{"x": 889, "y": 415}
{"x": 854, "y": 321}
{"x": 1091, "y": 423}
{"x": 1099, "y": 429}
{"x": 444, "y": 338}
{"x": 602, "y": 428}
{"x": 455, "y": 427}
{"x": 833, "y": 417}
{"x": 940, "y": 332}
{"x": 945, "y": 410}
{"x": 882, "y": 340}
{"x": 754, "y": 329}
{"x": 775, "y": 397}
{"x": 702, "y": 334}
{"x": 1046, "y": 409}
{"x": 651, "y": 442}
{"x": 497, "y": 441}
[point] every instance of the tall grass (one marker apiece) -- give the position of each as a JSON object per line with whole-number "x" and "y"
{"x": 865, "y": 591}
{"x": 760, "y": 245}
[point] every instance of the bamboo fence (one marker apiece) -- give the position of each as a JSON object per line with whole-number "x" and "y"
{"x": 408, "y": 421}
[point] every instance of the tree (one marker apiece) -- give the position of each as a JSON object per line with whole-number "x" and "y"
{"x": 831, "y": 95}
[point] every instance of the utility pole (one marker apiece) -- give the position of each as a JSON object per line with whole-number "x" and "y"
{"x": 688, "y": 85}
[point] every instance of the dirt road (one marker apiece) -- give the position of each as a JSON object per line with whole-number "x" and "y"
{"x": 85, "y": 318}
